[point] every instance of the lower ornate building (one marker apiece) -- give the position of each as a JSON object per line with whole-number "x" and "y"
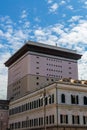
{"x": 60, "y": 106}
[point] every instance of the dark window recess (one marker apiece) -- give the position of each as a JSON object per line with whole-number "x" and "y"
{"x": 74, "y": 99}
{"x": 37, "y": 78}
{"x": 64, "y": 119}
{"x": 85, "y": 100}
{"x": 37, "y": 62}
{"x": 84, "y": 120}
{"x": 37, "y": 72}
{"x": 75, "y": 119}
{"x": 37, "y": 83}
{"x": 37, "y": 57}
{"x": 63, "y": 98}
{"x": 46, "y": 100}
{"x": 37, "y": 67}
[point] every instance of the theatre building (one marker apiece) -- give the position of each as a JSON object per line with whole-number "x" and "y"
{"x": 61, "y": 105}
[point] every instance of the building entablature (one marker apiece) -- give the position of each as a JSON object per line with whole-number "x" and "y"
{"x": 73, "y": 82}
{"x": 43, "y": 49}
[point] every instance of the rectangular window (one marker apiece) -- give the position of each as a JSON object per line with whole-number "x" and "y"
{"x": 64, "y": 119}
{"x": 84, "y": 120}
{"x": 37, "y": 72}
{"x": 46, "y": 100}
{"x": 75, "y": 119}
{"x": 63, "y": 98}
{"x": 46, "y": 119}
{"x": 35, "y": 104}
{"x": 37, "y": 62}
{"x": 74, "y": 99}
{"x": 85, "y": 100}
{"x": 53, "y": 119}
{"x": 50, "y": 119}
{"x": 30, "y": 106}
{"x": 19, "y": 124}
{"x": 37, "y": 67}
{"x": 40, "y": 121}
{"x": 37, "y": 57}
{"x": 52, "y": 98}
{"x": 41, "y": 102}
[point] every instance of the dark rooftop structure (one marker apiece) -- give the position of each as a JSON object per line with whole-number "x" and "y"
{"x": 44, "y": 49}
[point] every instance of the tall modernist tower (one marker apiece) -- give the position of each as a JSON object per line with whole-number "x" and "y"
{"x": 36, "y": 65}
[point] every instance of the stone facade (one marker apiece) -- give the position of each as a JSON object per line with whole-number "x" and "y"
{"x": 59, "y": 106}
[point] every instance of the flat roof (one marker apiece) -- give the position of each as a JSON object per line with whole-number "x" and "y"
{"x": 44, "y": 49}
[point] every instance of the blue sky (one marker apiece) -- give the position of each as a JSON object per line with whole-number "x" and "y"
{"x": 48, "y": 21}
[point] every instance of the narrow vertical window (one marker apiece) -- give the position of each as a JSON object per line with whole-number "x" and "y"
{"x": 62, "y": 98}
{"x": 85, "y": 100}
{"x": 52, "y": 98}
{"x": 77, "y": 100}
{"x": 78, "y": 122}
{"x": 66, "y": 119}
{"x": 84, "y": 120}
{"x": 61, "y": 118}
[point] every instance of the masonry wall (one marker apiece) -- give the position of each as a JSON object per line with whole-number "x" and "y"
{"x": 35, "y": 70}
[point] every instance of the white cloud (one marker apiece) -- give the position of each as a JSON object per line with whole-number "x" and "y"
{"x": 53, "y": 8}
{"x": 39, "y": 32}
{"x": 75, "y": 18}
{"x": 49, "y": 1}
{"x": 37, "y": 19}
{"x": 62, "y": 2}
{"x": 24, "y": 14}
{"x": 83, "y": 67}
{"x": 3, "y": 75}
{"x": 1, "y": 45}
{"x": 85, "y": 3}
{"x": 70, "y": 7}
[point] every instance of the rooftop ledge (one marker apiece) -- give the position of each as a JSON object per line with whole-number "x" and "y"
{"x": 44, "y": 49}
{"x": 73, "y": 81}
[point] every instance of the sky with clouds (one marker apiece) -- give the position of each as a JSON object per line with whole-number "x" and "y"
{"x": 63, "y": 22}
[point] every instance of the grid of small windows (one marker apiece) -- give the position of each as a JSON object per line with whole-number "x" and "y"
{"x": 32, "y": 105}
{"x": 16, "y": 88}
{"x": 56, "y": 60}
{"x": 33, "y": 122}
{"x": 54, "y": 68}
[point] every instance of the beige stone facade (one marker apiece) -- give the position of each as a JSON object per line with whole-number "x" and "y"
{"x": 59, "y": 106}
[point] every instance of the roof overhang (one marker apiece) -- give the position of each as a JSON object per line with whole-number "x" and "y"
{"x": 44, "y": 49}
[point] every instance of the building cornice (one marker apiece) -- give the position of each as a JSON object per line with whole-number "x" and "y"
{"x": 43, "y": 49}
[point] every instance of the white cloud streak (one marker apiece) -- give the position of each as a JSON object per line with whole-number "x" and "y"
{"x": 53, "y": 8}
